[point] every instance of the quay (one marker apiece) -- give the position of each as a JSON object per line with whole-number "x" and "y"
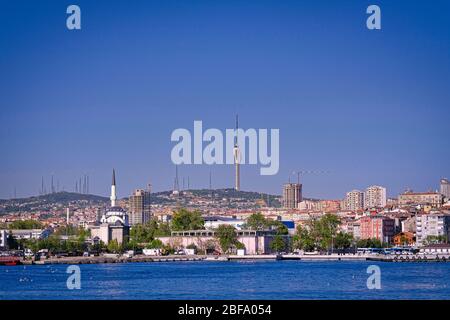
{"x": 110, "y": 259}
{"x": 180, "y": 258}
{"x": 411, "y": 258}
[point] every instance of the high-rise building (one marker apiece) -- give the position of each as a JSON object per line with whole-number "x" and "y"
{"x": 354, "y": 200}
{"x": 292, "y": 195}
{"x": 139, "y": 202}
{"x": 375, "y": 197}
{"x": 445, "y": 188}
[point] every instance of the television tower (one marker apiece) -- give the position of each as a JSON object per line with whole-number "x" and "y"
{"x": 176, "y": 184}
{"x": 237, "y": 158}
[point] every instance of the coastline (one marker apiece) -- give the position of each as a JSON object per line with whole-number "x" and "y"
{"x": 186, "y": 258}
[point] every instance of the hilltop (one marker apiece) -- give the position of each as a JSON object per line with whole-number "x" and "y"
{"x": 224, "y": 197}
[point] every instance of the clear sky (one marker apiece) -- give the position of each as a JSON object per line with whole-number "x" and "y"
{"x": 370, "y": 107}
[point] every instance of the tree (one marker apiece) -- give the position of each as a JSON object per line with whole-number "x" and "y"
{"x": 436, "y": 239}
{"x": 132, "y": 245}
{"x": 278, "y": 244}
{"x": 369, "y": 243}
{"x": 256, "y": 222}
{"x": 187, "y": 220}
{"x": 343, "y": 240}
{"x": 227, "y": 237}
{"x": 239, "y": 245}
{"x": 280, "y": 228}
{"x": 114, "y": 246}
{"x": 147, "y": 232}
{"x": 25, "y": 224}
{"x": 155, "y": 244}
{"x": 12, "y": 243}
{"x": 328, "y": 225}
{"x": 303, "y": 240}
{"x": 163, "y": 230}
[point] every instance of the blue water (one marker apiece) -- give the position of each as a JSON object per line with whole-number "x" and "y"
{"x": 228, "y": 280}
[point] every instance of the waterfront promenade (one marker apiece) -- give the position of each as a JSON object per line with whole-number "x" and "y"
{"x": 180, "y": 258}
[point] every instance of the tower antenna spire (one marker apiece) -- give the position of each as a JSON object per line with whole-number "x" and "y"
{"x": 237, "y": 158}
{"x": 113, "y": 189}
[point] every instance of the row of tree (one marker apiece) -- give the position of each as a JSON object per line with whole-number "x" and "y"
{"x": 323, "y": 235}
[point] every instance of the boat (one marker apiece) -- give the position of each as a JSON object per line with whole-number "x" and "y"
{"x": 9, "y": 261}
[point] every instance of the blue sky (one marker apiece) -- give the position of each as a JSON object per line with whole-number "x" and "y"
{"x": 370, "y": 107}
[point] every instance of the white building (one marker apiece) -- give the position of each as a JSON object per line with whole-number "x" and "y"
{"x": 213, "y": 222}
{"x": 354, "y": 200}
{"x": 3, "y": 238}
{"x": 31, "y": 233}
{"x": 432, "y": 224}
{"x": 375, "y": 197}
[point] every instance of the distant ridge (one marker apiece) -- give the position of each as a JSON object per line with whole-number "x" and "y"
{"x": 59, "y": 197}
{"x": 163, "y": 197}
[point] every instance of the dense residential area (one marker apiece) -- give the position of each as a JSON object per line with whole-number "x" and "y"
{"x": 225, "y": 222}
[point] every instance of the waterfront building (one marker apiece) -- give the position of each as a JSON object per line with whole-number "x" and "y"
{"x": 404, "y": 238}
{"x": 377, "y": 227}
{"x": 354, "y": 200}
{"x": 445, "y": 188}
{"x": 139, "y": 207}
{"x": 433, "y": 199}
{"x": 292, "y": 195}
{"x": 432, "y": 225}
{"x": 20, "y": 234}
{"x": 3, "y": 238}
{"x": 114, "y": 223}
{"x": 375, "y": 197}
{"x": 255, "y": 241}
{"x": 213, "y": 222}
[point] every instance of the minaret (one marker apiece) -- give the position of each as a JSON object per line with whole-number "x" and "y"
{"x": 237, "y": 158}
{"x": 113, "y": 190}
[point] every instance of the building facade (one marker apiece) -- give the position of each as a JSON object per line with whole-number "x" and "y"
{"x": 354, "y": 200}
{"x": 292, "y": 195}
{"x": 445, "y": 188}
{"x": 139, "y": 207}
{"x": 432, "y": 225}
{"x": 404, "y": 239}
{"x": 255, "y": 242}
{"x": 377, "y": 227}
{"x": 375, "y": 197}
{"x": 3, "y": 238}
{"x": 433, "y": 199}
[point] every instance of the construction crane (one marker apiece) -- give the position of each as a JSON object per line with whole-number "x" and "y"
{"x": 301, "y": 172}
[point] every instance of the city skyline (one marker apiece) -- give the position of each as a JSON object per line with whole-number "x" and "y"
{"x": 126, "y": 194}
{"x": 370, "y": 108}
